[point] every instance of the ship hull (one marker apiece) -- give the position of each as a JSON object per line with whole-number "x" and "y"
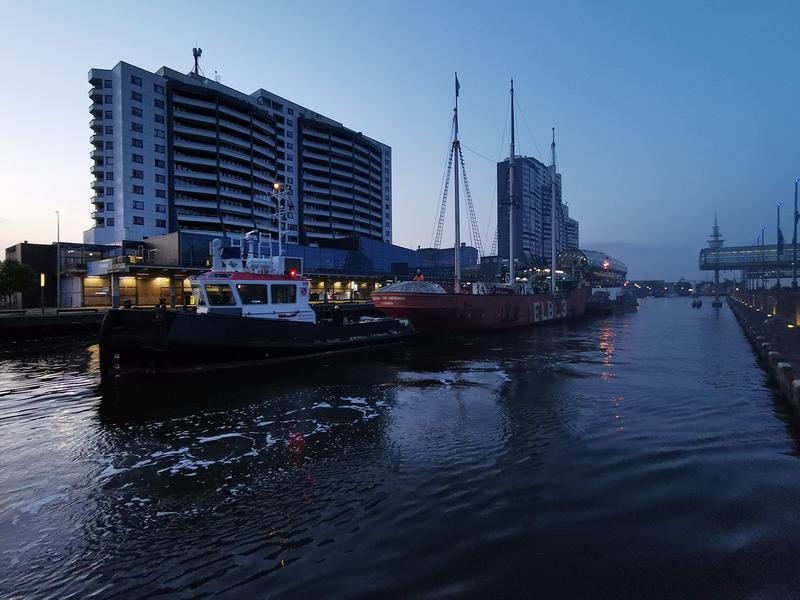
{"x": 134, "y": 342}
{"x": 466, "y": 313}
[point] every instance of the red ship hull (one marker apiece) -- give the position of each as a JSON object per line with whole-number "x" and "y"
{"x": 467, "y": 313}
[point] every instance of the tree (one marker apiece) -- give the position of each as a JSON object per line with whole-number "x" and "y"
{"x": 14, "y": 277}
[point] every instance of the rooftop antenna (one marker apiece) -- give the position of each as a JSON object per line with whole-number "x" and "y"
{"x": 197, "y": 53}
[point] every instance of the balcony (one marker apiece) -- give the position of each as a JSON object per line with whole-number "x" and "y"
{"x": 194, "y": 160}
{"x": 187, "y": 216}
{"x": 234, "y": 153}
{"x": 195, "y": 131}
{"x": 97, "y": 139}
{"x": 181, "y": 186}
{"x": 242, "y": 210}
{"x": 234, "y": 113}
{"x": 97, "y": 184}
{"x": 96, "y": 92}
{"x": 313, "y": 145}
{"x": 196, "y": 203}
{"x": 96, "y": 109}
{"x": 235, "y": 167}
{"x": 234, "y": 220}
{"x": 234, "y": 126}
{"x": 100, "y": 199}
{"x": 193, "y": 116}
{"x": 96, "y": 124}
{"x": 181, "y": 143}
{"x": 181, "y": 99}
{"x": 233, "y": 194}
{"x": 97, "y": 154}
{"x": 95, "y": 169}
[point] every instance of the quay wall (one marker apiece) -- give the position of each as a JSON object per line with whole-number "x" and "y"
{"x": 769, "y": 320}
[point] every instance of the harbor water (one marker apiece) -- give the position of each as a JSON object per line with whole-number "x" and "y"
{"x": 639, "y": 455}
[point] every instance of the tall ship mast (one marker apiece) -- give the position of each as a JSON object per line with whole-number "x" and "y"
{"x": 511, "y": 221}
{"x": 481, "y": 306}
{"x": 553, "y": 216}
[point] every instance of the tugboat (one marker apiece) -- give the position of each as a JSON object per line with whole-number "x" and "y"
{"x": 601, "y": 304}
{"x": 487, "y": 306}
{"x": 250, "y": 313}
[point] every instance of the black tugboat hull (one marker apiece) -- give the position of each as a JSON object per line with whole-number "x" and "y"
{"x": 152, "y": 342}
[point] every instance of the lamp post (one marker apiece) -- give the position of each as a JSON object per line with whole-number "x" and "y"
{"x": 794, "y": 239}
{"x": 779, "y": 250}
{"x": 58, "y": 260}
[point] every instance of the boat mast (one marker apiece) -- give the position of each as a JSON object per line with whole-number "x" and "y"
{"x": 553, "y": 219}
{"x": 511, "y": 277}
{"x": 456, "y": 153}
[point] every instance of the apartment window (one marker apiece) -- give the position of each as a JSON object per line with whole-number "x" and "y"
{"x": 110, "y": 161}
{"x": 290, "y": 110}
{"x": 290, "y": 157}
{"x": 161, "y": 223}
{"x": 160, "y": 163}
{"x": 160, "y": 148}
{"x": 158, "y": 89}
{"x": 290, "y": 180}
{"x": 109, "y": 175}
{"x": 289, "y": 123}
{"x": 136, "y": 96}
{"x": 137, "y": 127}
{"x": 160, "y": 133}
{"x": 109, "y": 114}
{"x": 289, "y": 146}
{"x": 109, "y": 130}
{"x": 107, "y": 83}
{"x": 158, "y": 118}
{"x": 108, "y": 99}
{"x": 138, "y": 189}
{"x": 138, "y": 158}
{"x": 136, "y": 111}
{"x": 109, "y": 145}
{"x": 110, "y": 191}
{"x": 137, "y": 143}
{"x": 136, "y": 80}
{"x": 110, "y": 221}
{"x": 109, "y": 206}
{"x": 161, "y": 194}
{"x": 289, "y": 169}
{"x": 158, "y": 103}
{"x": 160, "y": 178}
{"x": 138, "y": 205}
{"x": 161, "y": 208}
{"x": 138, "y": 220}
{"x": 137, "y": 174}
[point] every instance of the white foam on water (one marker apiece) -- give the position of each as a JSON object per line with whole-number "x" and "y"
{"x": 213, "y": 438}
{"x": 355, "y": 400}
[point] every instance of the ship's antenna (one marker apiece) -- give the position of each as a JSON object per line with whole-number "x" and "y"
{"x": 511, "y": 276}
{"x": 553, "y": 216}
{"x": 197, "y": 53}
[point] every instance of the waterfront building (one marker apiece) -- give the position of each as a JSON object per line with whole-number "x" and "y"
{"x": 533, "y": 181}
{"x": 181, "y": 152}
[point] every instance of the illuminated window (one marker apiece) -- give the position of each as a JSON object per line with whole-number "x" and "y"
{"x": 220, "y": 294}
{"x": 252, "y": 293}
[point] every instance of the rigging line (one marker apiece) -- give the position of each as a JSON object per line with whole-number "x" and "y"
{"x": 524, "y": 120}
{"x": 445, "y": 173}
{"x": 491, "y": 160}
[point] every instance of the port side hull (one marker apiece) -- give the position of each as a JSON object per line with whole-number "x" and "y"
{"x": 161, "y": 342}
{"x": 466, "y": 313}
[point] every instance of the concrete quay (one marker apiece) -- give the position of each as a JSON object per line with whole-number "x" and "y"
{"x": 769, "y": 320}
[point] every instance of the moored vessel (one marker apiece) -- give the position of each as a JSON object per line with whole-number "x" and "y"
{"x": 483, "y": 306}
{"x": 250, "y": 313}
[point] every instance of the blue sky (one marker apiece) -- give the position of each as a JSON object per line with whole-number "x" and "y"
{"x": 664, "y": 112}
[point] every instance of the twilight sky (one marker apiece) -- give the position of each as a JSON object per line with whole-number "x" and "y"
{"x": 664, "y": 112}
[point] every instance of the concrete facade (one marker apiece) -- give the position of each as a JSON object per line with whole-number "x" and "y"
{"x": 177, "y": 152}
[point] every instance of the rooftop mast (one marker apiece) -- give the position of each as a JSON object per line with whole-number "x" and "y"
{"x": 511, "y": 276}
{"x": 197, "y": 53}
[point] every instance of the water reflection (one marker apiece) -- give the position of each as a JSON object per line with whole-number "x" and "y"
{"x": 474, "y": 465}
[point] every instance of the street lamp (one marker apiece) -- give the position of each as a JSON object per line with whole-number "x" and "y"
{"x": 794, "y": 239}
{"x": 779, "y": 250}
{"x": 58, "y": 260}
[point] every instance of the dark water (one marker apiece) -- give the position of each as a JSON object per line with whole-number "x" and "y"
{"x": 641, "y": 456}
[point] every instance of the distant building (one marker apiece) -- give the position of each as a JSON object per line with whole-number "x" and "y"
{"x": 181, "y": 152}
{"x": 533, "y": 181}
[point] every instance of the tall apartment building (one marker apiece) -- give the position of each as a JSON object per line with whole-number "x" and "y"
{"x": 181, "y": 152}
{"x": 533, "y": 183}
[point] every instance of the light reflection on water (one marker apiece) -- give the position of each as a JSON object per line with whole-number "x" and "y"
{"x": 639, "y": 452}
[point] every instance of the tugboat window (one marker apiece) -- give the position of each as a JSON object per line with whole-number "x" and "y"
{"x": 252, "y": 294}
{"x": 284, "y": 294}
{"x": 220, "y": 294}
